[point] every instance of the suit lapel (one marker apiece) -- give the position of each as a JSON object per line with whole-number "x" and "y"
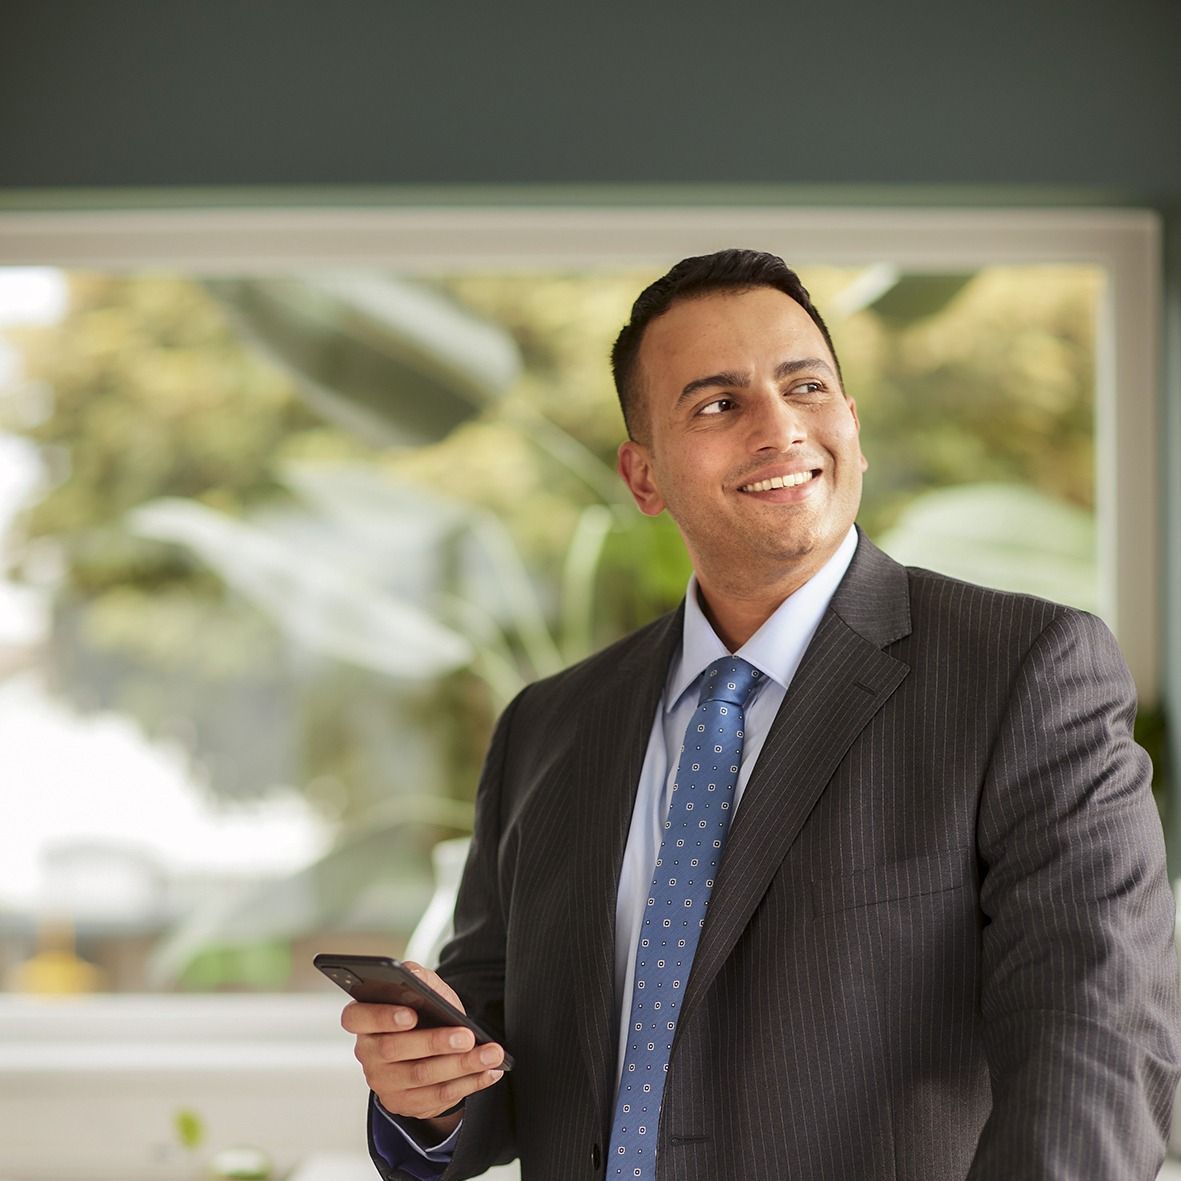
{"x": 844, "y": 679}
{"x": 618, "y": 724}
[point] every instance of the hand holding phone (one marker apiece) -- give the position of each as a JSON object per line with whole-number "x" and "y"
{"x": 421, "y": 1053}
{"x": 382, "y": 980}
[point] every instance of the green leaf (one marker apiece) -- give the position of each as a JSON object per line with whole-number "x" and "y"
{"x": 1006, "y": 535}
{"x": 327, "y": 604}
{"x": 578, "y": 580}
{"x": 391, "y": 362}
{"x": 189, "y": 1128}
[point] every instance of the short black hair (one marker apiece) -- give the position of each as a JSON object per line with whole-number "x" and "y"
{"x": 726, "y": 270}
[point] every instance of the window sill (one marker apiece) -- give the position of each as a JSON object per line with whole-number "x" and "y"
{"x": 90, "y": 1087}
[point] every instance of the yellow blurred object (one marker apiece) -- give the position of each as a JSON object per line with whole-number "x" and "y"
{"x": 56, "y": 969}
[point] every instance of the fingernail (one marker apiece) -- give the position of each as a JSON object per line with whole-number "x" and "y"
{"x": 490, "y": 1055}
{"x": 401, "y": 1017}
{"x": 459, "y": 1040}
{"x": 496, "y": 1075}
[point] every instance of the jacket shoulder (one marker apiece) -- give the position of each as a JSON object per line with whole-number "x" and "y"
{"x": 638, "y": 648}
{"x": 888, "y": 603}
{"x": 989, "y": 616}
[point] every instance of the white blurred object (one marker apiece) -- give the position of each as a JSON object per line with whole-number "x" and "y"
{"x": 97, "y": 780}
{"x": 102, "y": 881}
{"x": 32, "y": 295}
{"x": 24, "y": 616}
{"x": 24, "y": 610}
{"x": 437, "y": 923}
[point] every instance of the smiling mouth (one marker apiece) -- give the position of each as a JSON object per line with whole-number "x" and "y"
{"x": 792, "y": 481}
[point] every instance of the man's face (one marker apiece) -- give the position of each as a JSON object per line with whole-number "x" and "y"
{"x": 750, "y": 442}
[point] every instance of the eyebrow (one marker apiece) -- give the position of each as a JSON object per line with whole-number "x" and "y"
{"x": 732, "y": 379}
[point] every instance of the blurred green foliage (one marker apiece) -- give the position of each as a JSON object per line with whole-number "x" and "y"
{"x": 148, "y": 389}
{"x": 265, "y": 966}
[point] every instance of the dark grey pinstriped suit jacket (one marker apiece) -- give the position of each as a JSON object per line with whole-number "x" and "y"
{"x": 940, "y": 943}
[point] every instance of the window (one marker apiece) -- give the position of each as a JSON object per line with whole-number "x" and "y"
{"x": 267, "y": 593}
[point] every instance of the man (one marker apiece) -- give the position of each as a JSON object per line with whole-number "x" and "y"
{"x": 939, "y": 936}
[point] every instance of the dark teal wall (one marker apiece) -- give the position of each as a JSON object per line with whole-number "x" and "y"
{"x": 1074, "y": 93}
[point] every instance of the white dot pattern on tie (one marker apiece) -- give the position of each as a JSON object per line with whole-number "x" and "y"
{"x": 698, "y": 818}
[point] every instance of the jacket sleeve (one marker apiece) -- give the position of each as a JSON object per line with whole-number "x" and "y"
{"x": 473, "y": 964}
{"x": 397, "y": 1154}
{"x": 1079, "y": 984}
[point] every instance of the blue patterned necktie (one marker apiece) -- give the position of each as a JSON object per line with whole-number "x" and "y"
{"x": 690, "y": 850}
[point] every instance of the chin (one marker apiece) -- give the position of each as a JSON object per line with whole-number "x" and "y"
{"x": 790, "y": 551}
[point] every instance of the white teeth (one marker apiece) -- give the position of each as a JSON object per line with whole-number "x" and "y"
{"x": 778, "y": 482}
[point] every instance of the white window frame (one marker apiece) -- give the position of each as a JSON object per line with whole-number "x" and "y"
{"x": 1125, "y": 244}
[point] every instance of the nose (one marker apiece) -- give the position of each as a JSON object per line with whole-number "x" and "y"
{"x": 776, "y": 424}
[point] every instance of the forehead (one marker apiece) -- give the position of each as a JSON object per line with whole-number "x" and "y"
{"x": 733, "y": 331}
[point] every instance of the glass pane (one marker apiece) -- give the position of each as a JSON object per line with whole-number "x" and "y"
{"x": 274, "y": 553}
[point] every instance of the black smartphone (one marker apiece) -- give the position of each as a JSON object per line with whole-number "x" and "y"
{"x": 380, "y": 980}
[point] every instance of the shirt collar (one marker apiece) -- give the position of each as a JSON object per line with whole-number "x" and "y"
{"x": 777, "y": 648}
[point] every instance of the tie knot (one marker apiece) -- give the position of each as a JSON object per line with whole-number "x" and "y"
{"x": 732, "y": 680}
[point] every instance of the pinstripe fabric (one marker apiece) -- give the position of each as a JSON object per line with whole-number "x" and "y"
{"x": 940, "y": 941}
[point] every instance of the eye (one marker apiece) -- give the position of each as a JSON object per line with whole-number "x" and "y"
{"x": 717, "y": 406}
{"x": 808, "y": 387}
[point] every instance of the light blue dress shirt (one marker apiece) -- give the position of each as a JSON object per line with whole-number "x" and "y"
{"x": 776, "y": 649}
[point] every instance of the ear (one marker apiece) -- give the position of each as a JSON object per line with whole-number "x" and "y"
{"x": 857, "y": 428}
{"x": 635, "y": 469}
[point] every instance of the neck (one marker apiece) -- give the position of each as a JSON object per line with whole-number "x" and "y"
{"x": 739, "y": 593}
{"x": 736, "y": 614}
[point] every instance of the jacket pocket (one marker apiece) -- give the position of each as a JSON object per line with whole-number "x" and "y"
{"x": 933, "y": 873}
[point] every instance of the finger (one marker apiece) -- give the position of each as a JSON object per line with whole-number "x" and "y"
{"x": 418, "y": 1043}
{"x": 435, "y": 981}
{"x": 428, "y": 1102}
{"x": 361, "y": 1018}
{"x": 415, "y": 1087}
{"x": 415, "y": 1073}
